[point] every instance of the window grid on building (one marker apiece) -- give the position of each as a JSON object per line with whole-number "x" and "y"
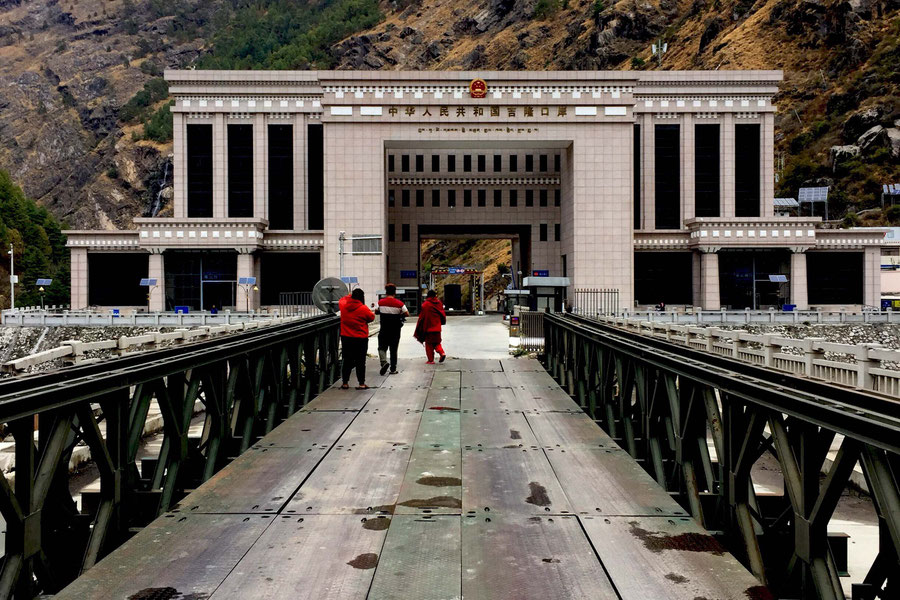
{"x": 543, "y": 232}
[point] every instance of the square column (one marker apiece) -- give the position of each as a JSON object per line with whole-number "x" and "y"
{"x": 696, "y": 294}
{"x": 767, "y": 165}
{"x": 260, "y": 160}
{"x": 179, "y": 165}
{"x": 220, "y": 167}
{"x": 872, "y": 276}
{"x": 799, "y": 288}
{"x": 687, "y": 168}
{"x": 709, "y": 280}
{"x": 726, "y": 190}
{"x": 648, "y": 169}
{"x": 79, "y": 275}
{"x": 246, "y": 267}
{"x": 300, "y": 172}
{"x": 156, "y": 270}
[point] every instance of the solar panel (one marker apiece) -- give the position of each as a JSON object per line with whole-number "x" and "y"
{"x": 149, "y": 282}
{"x": 786, "y": 202}
{"x": 348, "y": 280}
{"x": 813, "y": 194}
{"x": 891, "y": 189}
{"x": 246, "y": 280}
{"x": 778, "y": 278}
{"x": 44, "y": 282}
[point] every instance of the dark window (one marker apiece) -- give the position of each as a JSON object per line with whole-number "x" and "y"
{"x": 281, "y": 176}
{"x": 404, "y": 232}
{"x": 498, "y": 197}
{"x": 565, "y": 265}
{"x": 315, "y": 178}
{"x": 745, "y": 278}
{"x": 529, "y": 197}
{"x": 835, "y": 277}
{"x": 199, "y": 171}
{"x": 420, "y": 163}
{"x": 451, "y": 198}
{"x": 482, "y": 198}
{"x": 746, "y": 170}
{"x": 557, "y": 200}
{"x": 404, "y": 163}
{"x": 286, "y": 272}
{"x": 663, "y": 277}
{"x": 451, "y": 163}
{"x": 557, "y": 163}
{"x": 467, "y": 197}
{"x": 435, "y": 163}
{"x": 529, "y": 163}
{"x": 215, "y": 273}
{"x": 498, "y": 163}
{"x": 392, "y": 194}
{"x": 114, "y": 278}
{"x": 557, "y": 232}
{"x": 513, "y": 197}
{"x": 543, "y": 198}
{"x": 513, "y": 163}
{"x": 240, "y": 170}
{"x": 391, "y": 163}
{"x": 481, "y": 163}
{"x": 467, "y": 163}
{"x": 435, "y": 197}
{"x": 391, "y": 236}
{"x": 543, "y": 230}
{"x": 668, "y": 177}
{"x": 543, "y": 163}
{"x": 404, "y": 198}
{"x": 636, "y": 171}
{"x": 706, "y": 170}
{"x": 420, "y": 198}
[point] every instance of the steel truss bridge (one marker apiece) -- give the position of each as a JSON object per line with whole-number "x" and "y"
{"x": 475, "y": 479}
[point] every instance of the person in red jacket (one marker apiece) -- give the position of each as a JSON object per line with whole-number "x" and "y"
{"x": 355, "y": 319}
{"x": 428, "y": 327}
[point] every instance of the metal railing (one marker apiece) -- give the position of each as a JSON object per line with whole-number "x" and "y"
{"x": 737, "y": 317}
{"x": 247, "y": 383}
{"x": 671, "y": 406}
{"x": 531, "y": 330}
{"x": 293, "y": 304}
{"x": 109, "y": 318}
{"x": 594, "y": 302}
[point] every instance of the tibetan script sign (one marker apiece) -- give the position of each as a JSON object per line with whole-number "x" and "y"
{"x": 478, "y": 88}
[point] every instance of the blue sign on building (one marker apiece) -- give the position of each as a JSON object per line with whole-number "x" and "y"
{"x": 407, "y": 274}
{"x": 540, "y": 273}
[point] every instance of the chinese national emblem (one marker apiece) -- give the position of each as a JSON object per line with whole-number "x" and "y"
{"x": 478, "y": 88}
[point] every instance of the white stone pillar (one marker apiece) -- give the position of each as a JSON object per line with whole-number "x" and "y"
{"x": 300, "y": 172}
{"x": 687, "y": 168}
{"x": 799, "y": 288}
{"x": 727, "y": 166}
{"x": 79, "y": 278}
{"x": 709, "y": 280}
{"x": 220, "y": 167}
{"x": 767, "y": 165}
{"x": 872, "y": 276}
{"x": 156, "y": 270}
{"x": 260, "y": 160}
{"x": 648, "y": 167}
{"x": 179, "y": 165}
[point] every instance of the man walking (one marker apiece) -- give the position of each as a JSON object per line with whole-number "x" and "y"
{"x": 393, "y": 313}
{"x": 355, "y": 319}
{"x": 428, "y": 327}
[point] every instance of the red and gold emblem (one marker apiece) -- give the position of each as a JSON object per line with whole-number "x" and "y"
{"x": 478, "y": 88}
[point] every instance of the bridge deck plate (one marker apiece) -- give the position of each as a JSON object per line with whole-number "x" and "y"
{"x": 568, "y": 430}
{"x": 492, "y": 428}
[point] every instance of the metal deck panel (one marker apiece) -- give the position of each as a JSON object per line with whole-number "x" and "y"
{"x": 439, "y": 428}
{"x": 476, "y": 364}
{"x": 412, "y": 399}
{"x": 337, "y": 399}
{"x": 521, "y": 365}
{"x": 609, "y": 482}
{"x": 492, "y": 428}
{"x": 433, "y": 482}
{"x": 192, "y": 554}
{"x": 409, "y": 378}
{"x": 496, "y": 399}
{"x": 485, "y": 379}
{"x": 318, "y": 557}
{"x": 511, "y": 482}
{"x": 445, "y": 379}
{"x": 544, "y": 399}
{"x": 305, "y": 429}
{"x": 396, "y": 425}
{"x": 443, "y": 398}
{"x": 538, "y": 379}
{"x": 530, "y": 558}
{"x": 261, "y": 480}
{"x": 659, "y": 557}
{"x": 568, "y": 430}
{"x": 420, "y": 560}
{"x": 360, "y": 479}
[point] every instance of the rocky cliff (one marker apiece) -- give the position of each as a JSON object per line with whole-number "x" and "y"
{"x": 72, "y": 71}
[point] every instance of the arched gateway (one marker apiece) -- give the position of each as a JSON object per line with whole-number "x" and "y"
{"x": 658, "y": 184}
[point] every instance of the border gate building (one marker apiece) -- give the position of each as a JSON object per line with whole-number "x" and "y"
{"x": 659, "y": 184}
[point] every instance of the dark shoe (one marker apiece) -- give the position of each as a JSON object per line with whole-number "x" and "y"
{"x": 344, "y": 386}
{"x": 443, "y": 357}
{"x": 384, "y": 368}
{"x": 362, "y": 386}
{"x": 394, "y": 372}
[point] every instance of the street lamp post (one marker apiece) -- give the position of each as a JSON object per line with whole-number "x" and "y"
{"x": 12, "y": 277}
{"x": 41, "y": 290}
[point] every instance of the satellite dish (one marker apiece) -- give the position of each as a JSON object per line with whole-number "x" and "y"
{"x": 327, "y": 292}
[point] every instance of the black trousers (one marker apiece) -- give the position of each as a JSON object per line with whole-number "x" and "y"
{"x": 353, "y": 356}
{"x": 388, "y": 340}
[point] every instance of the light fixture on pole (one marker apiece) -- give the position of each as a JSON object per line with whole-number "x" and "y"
{"x": 13, "y": 280}
{"x": 41, "y": 283}
{"x": 150, "y": 284}
{"x": 658, "y": 49}
{"x": 246, "y": 284}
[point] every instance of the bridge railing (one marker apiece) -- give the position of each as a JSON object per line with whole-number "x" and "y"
{"x": 747, "y": 316}
{"x": 699, "y": 421}
{"x": 247, "y": 383}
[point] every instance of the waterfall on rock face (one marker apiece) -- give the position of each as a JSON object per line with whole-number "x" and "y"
{"x": 158, "y": 200}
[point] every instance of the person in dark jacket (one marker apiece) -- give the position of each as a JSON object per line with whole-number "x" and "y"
{"x": 393, "y": 313}
{"x": 355, "y": 319}
{"x": 428, "y": 327}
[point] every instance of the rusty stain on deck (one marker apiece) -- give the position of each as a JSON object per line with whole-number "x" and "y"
{"x": 538, "y": 495}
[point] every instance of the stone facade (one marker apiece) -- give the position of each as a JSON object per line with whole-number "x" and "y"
{"x": 597, "y": 131}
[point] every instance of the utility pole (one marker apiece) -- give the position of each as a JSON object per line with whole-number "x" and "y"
{"x": 12, "y": 277}
{"x": 341, "y": 238}
{"x": 658, "y": 49}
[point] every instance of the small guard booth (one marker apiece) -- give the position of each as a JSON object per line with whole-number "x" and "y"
{"x": 546, "y": 294}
